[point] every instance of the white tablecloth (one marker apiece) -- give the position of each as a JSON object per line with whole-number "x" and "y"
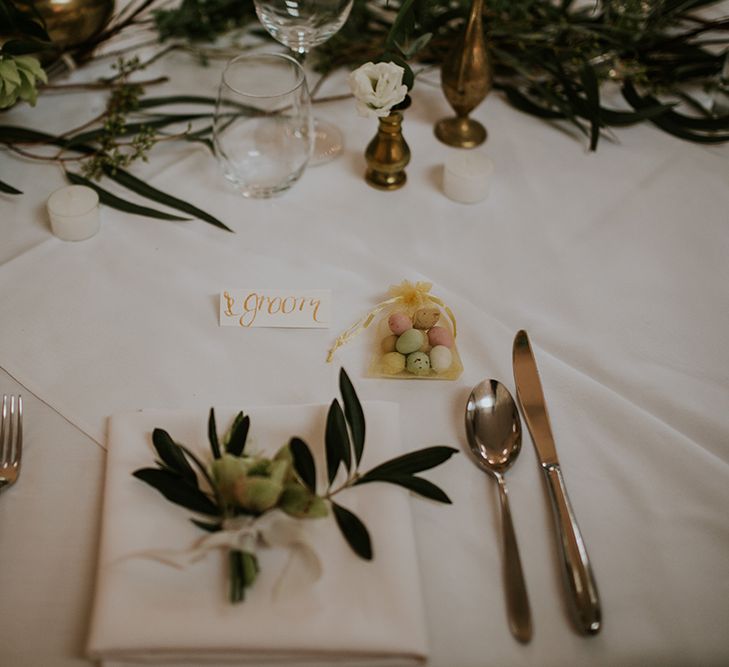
{"x": 615, "y": 263}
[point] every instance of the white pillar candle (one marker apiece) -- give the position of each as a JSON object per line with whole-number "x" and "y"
{"x": 74, "y": 212}
{"x": 467, "y": 177}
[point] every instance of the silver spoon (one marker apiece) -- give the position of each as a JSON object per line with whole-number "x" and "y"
{"x": 493, "y": 429}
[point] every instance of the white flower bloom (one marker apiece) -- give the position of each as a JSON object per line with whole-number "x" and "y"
{"x": 377, "y": 87}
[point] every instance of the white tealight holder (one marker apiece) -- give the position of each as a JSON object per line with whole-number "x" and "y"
{"x": 467, "y": 177}
{"x": 74, "y": 212}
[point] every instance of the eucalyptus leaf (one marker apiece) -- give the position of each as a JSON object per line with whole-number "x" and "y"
{"x": 303, "y": 463}
{"x": 408, "y": 77}
{"x": 26, "y": 46}
{"x": 31, "y": 27}
{"x": 109, "y": 199}
{"x": 519, "y": 100}
{"x": 576, "y": 105}
{"x": 9, "y": 189}
{"x": 238, "y": 435}
{"x": 688, "y": 122}
{"x": 337, "y": 441}
{"x": 12, "y": 133}
{"x": 408, "y": 464}
{"x": 208, "y": 527}
{"x": 669, "y": 124}
{"x": 422, "y": 487}
{"x": 354, "y": 414}
{"x": 592, "y": 99}
{"x": 213, "y": 435}
{"x": 149, "y": 102}
{"x": 396, "y": 31}
{"x": 172, "y": 455}
{"x": 176, "y": 490}
{"x": 145, "y": 190}
{"x": 625, "y": 118}
{"x": 169, "y": 100}
{"x": 409, "y": 50}
{"x": 202, "y": 469}
{"x": 354, "y": 531}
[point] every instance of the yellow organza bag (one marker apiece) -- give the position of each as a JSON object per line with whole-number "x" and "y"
{"x": 416, "y": 336}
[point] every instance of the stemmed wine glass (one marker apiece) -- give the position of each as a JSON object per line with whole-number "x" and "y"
{"x": 301, "y": 25}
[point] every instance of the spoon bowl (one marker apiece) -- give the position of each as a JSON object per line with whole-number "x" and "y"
{"x": 493, "y": 430}
{"x": 493, "y": 426}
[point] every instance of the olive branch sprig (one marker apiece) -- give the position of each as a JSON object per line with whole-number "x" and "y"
{"x": 237, "y": 483}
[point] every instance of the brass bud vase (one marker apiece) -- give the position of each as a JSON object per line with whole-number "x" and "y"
{"x": 466, "y": 80}
{"x": 387, "y": 154}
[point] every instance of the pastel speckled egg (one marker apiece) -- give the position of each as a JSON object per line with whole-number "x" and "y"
{"x": 441, "y": 358}
{"x": 418, "y": 363}
{"x": 393, "y": 362}
{"x": 399, "y": 323}
{"x": 388, "y": 343}
{"x": 410, "y": 341}
{"x": 426, "y": 317}
{"x": 440, "y": 336}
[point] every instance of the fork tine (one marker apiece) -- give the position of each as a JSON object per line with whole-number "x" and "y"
{"x": 19, "y": 430}
{"x": 10, "y": 454}
{"x": 2, "y": 428}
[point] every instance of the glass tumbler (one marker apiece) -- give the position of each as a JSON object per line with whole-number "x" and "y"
{"x": 262, "y": 130}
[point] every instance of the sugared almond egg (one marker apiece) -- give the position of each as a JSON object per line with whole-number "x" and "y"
{"x": 393, "y": 362}
{"x": 399, "y": 323}
{"x": 388, "y": 343}
{"x": 425, "y": 318}
{"x": 410, "y": 341}
{"x": 418, "y": 363}
{"x": 440, "y": 336}
{"x": 441, "y": 358}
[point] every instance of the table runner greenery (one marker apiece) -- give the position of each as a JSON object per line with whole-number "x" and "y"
{"x": 552, "y": 59}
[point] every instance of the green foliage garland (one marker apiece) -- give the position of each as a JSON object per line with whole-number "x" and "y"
{"x": 551, "y": 59}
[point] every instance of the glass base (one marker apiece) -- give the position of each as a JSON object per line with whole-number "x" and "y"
{"x": 328, "y": 143}
{"x": 253, "y": 190}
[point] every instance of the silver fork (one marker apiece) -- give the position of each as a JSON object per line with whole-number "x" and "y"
{"x": 11, "y": 440}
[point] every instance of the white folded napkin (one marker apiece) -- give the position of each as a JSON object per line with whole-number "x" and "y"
{"x": 357, "y": 613}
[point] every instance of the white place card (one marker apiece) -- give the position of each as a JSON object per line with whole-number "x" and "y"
{"x": 308, "y": 309}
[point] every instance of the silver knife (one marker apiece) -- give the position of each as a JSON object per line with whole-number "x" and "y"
{"x": 584, "y": 601}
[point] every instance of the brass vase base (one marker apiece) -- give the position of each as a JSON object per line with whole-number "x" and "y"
{"x": 460, "y": 132}
{"x": 387, "y": 154}
{"x": 383, "y": 181}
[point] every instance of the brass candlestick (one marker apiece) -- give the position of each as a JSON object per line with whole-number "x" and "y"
{"x": 388, "y": 154}
{"x": 466, "y": 80}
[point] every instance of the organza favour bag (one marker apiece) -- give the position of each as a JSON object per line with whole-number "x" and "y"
{"x": 415, "y": 336}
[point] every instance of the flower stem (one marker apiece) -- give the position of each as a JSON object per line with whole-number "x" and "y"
{"x": 235, "y": 577}
{"x": 243, "y": 567}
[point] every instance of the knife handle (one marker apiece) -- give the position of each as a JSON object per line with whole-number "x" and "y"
{"x": 583, "y": 598}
